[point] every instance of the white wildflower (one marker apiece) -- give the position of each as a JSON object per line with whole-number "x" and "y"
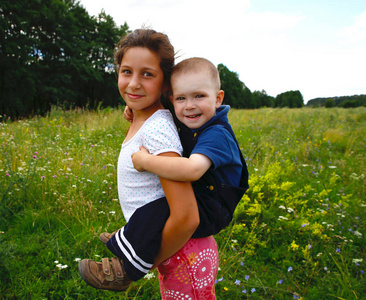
{"x": 61, "y": 266}
{"x": 357, "y": 233}
{"x": 149, "y": 276}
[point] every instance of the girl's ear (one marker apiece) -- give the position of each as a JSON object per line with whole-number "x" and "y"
{"x": 219, "y": 98}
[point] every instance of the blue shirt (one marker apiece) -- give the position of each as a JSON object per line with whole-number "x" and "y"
{"x": 219, "y": 146}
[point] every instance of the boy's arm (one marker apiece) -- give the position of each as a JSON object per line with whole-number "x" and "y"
{"x": 183, "y": 219}
{"x": 173, "y": 168}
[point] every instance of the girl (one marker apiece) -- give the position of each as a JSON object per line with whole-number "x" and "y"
{"x": 145, "y": 60}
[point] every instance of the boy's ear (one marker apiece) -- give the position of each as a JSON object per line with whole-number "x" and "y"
{"x": 219, "y": 98}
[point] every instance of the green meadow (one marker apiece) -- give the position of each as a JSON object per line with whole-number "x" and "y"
{"x": 298, "y": 233}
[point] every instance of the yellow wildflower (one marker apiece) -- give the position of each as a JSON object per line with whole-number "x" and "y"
{"x": 293, "y": 246}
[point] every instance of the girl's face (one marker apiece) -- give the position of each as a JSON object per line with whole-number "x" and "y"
{"x": 141, "y": 80}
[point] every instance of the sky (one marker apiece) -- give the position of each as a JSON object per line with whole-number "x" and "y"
{"x": 315, "y": 46}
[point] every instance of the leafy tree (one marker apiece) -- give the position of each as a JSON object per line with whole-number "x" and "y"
{"x": 237, "y": 95}
{"x": 262, "y": 99}
{"x": 289, "y": 99}
{"x": 52, "y": 51}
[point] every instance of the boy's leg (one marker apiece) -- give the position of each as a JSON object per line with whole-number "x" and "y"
{"x": 139, "y": 241}
{"x": 191, "y": 272}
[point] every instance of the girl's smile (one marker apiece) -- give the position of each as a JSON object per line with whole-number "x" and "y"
{"x": 134, "y": 96}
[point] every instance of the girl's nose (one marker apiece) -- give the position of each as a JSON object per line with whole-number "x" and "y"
{"x": 134, "y": 82}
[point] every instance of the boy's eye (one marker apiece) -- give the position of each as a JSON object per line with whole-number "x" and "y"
{"x": 200, "y": 96}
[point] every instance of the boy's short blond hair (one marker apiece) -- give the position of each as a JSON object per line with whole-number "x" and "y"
{"x": 197, "y": 64}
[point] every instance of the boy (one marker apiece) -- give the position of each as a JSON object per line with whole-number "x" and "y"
{"x": 215, "y": 158}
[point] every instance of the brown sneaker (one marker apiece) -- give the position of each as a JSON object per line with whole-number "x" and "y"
{"x": 105, "y": 236}
{"x": 107, "y": 275}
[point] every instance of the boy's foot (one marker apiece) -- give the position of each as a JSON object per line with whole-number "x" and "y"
{"x": 105, "y": 236}
{"x": 107, "y": 275}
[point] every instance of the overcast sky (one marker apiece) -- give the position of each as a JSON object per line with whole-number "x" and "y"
{"x": 315, "y": 46}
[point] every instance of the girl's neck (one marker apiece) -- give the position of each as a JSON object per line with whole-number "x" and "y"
{"x": 142, "y": 115}
{"x": 139, "y": 118}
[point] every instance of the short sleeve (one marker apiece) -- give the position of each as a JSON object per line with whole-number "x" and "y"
{"x": 218, "y": 145}
{"x": 161, "y": 136}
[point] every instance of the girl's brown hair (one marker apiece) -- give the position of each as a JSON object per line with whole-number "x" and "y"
{"x": 154, "y": 41}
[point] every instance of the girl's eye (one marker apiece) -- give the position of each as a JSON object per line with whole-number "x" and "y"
{"x": 146, "y": 74}
{"x": 126, "y": 71}
{"x": 180, "y": 98}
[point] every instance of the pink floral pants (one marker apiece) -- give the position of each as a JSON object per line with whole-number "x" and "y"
{"x": 191, "y": 272}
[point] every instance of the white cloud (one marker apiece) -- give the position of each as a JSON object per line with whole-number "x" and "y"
{"x": 356, "y": 32}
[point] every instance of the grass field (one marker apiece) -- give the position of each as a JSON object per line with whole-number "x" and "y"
{"x": 298, "y": 233}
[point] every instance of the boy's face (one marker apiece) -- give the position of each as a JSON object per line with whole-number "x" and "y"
{"x": 195, "y": 98}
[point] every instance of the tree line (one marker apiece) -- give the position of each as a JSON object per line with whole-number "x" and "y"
{"x": 52, "y": 52}
{"x": 343, "y": 101}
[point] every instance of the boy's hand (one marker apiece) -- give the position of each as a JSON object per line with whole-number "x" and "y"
{"x": 139, "y": 158}
{"x": 128, "y": 114}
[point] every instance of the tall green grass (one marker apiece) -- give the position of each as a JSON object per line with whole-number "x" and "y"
{"x": 299, "y": 232}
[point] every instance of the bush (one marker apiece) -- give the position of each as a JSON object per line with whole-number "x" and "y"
{"x": 329, "y": 103}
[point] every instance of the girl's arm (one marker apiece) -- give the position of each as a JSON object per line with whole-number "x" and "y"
{"x": 183, "y": 219}
{"x": 173, "y": 168}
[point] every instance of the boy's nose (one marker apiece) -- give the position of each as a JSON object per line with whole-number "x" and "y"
{"x": 190, "y": 103}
